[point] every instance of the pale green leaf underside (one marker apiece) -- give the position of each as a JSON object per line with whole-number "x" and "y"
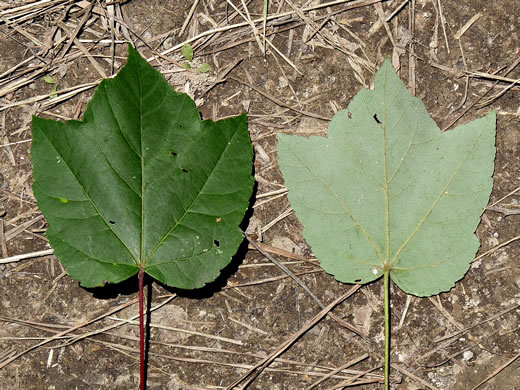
{"x": 142, "y": 181}
{"x": 386, "y": 188}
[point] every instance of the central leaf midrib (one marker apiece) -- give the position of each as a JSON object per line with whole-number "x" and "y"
{"x": 387, "y": 183}
{"x": 141, "y": 241}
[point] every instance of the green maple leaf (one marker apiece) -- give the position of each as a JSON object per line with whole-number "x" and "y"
{"x": 142, "y": 182}
{"x": 386, "y": 191}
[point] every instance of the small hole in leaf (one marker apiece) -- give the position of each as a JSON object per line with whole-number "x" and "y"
{"x": 184, "y": 170}
{"x": 173, "y": 153}
{"x": 217, "y": 243}
{"x": 349, "y": 115}
{"x": 377, "y": 119}
{"x": 357, "y": 281}
{"x": 112, "y": 222}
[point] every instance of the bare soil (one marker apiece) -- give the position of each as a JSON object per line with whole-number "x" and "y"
{"x": 465, "y": 338}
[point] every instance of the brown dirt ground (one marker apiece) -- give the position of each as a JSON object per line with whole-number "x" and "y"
{"x": 37, "y": 300}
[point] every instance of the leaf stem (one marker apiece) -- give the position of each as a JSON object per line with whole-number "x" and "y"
{"x": 386, "y": 278}
{"x": 141, "y": 326}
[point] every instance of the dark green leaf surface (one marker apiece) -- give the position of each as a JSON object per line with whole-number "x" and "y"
{"x": 142, "y": 181}
{"x": 386, "y": 190}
